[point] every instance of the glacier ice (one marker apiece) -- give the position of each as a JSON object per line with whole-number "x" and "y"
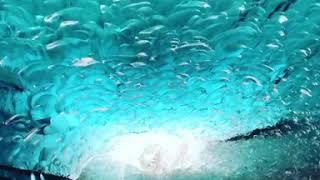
{"x": 79, "y": 78}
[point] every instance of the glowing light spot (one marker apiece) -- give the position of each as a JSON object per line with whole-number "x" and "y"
{"x": 159, "y": 153}
{"x": 283, "y": 19}
{"x": 83, "y": 62}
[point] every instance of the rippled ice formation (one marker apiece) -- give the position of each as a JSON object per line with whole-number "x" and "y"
{"x": 116, "y": 80}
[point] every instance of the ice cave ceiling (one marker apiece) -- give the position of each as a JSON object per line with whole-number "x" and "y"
{"x": 133, "y": 89}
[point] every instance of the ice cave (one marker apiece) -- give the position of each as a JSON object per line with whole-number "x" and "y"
{"x": 159, "y": 89}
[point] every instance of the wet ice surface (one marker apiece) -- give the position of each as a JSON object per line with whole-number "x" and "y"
{"x": 81, "y": 79}
{"x": 134, "y": 157}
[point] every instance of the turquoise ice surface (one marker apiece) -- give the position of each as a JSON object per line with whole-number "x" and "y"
{"x": 74, "y": 74}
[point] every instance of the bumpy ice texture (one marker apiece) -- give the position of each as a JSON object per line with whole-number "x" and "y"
{"x": 75, "y": 73}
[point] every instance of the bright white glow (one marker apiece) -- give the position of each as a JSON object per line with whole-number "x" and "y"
{"x": 159, "y": 153}
{"x": 85, "y": 61}
{"x": 282, "y": 19}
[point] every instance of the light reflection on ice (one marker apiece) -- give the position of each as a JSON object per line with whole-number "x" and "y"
{"x": 156, "y": 153}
